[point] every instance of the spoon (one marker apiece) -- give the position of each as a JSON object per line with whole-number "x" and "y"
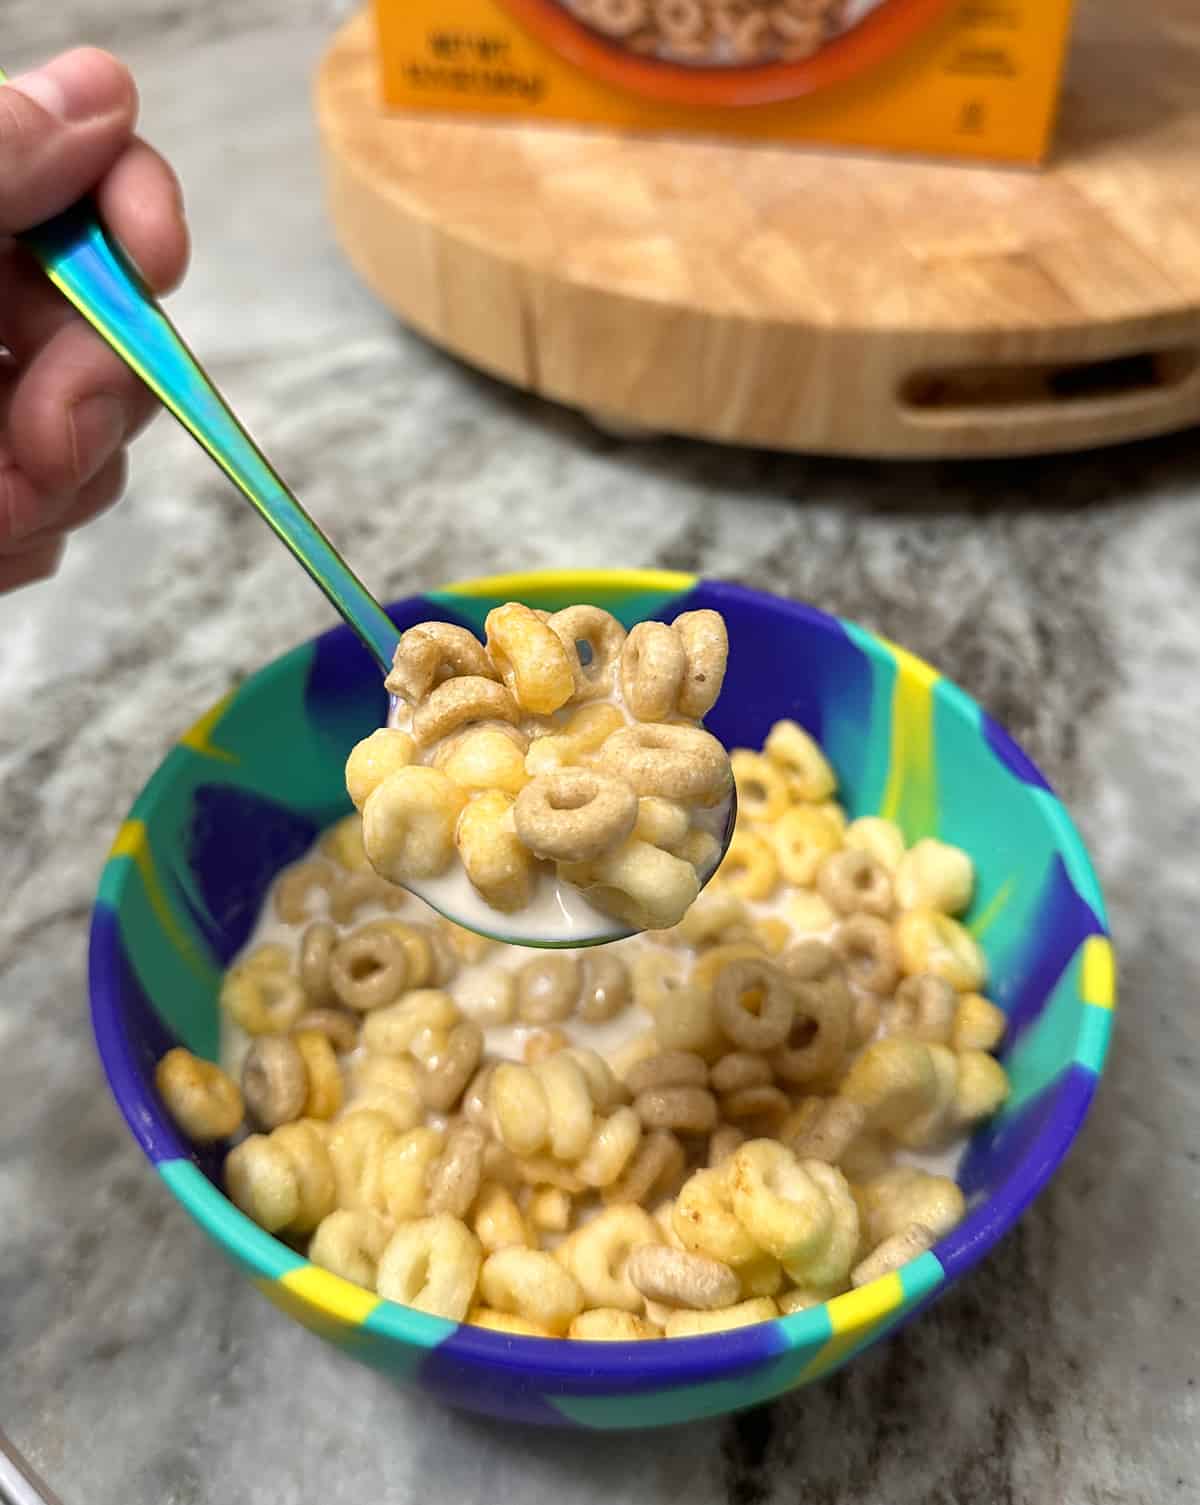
{"x": 94, "y": 274}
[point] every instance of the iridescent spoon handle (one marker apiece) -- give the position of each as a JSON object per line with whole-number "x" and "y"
{"x": 92, "y": 272}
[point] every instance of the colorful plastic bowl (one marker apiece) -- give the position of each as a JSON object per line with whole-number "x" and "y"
{"x": 880, "y": 35}
{"x": 248, "y": 788}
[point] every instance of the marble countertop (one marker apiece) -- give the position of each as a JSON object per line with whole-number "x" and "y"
{"x": 135, "y": 1366}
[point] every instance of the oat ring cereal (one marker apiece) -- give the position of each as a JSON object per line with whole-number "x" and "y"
{"x": 675, "y": 762}
{"x": 677, "y": 1278}
{"x": 368, "y": 971}
{"x": 617, "y": 18}
{"x": 459, "y": 701}
{"x": 749, "y": 36}
{"x": 432, "y": 652}
{"x": 680, "y": 20}
{"x": 755, "y": 1003}
{"x": 706, "y": 656}
{"x": 262, "y": 1001}
{"x": 653, "y": 664}
{"x": 604, "y": 638}
{"x": 575, "y": 815}
{"x": 822, "y": 1022}
{"x": 530, "y": 658}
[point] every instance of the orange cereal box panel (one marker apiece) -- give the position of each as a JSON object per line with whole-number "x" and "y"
{"x": 952, "y": 78}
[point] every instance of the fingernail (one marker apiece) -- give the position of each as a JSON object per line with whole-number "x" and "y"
{"x": 98, "y": 426}
{"x": 70, "y": 87}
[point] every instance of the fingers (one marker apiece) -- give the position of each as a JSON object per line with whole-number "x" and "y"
{"x": 61, "y": 129}
{"x": 38, "y": 556}
{"x": 141, "y": 203}
{"x": 38, "y": 564}
{"x": 31, "y": 307}
{"x": 72, "y": 408}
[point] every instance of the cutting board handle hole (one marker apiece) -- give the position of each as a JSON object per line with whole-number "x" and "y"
{"x": 973, "y": 389}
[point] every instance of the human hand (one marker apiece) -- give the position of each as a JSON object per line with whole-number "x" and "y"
{"x": 68, "y": 405}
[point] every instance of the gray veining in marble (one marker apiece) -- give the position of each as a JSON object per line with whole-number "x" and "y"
{"x": 135, "y": 1366}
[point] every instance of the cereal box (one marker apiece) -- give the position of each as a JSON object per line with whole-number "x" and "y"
{"x": 952, "y": 78}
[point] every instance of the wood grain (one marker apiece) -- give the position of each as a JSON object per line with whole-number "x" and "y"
{"x": 802, "y": 300}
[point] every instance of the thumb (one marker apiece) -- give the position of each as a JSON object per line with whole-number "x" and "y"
{"x": 61, "y": 128}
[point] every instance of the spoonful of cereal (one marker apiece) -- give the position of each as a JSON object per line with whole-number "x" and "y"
{"x": 550, "y": 788}
{"x": 554, "y": 784}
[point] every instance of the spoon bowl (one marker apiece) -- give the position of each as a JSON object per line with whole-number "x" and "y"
{"x": 93, "y": 273}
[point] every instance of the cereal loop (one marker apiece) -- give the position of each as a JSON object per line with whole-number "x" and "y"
{"x": 431, "y": 1264}
{"x": 652, "y": 670}
{"x": 303, "y": 1145}
{"x": 454, "y": 1179}
{"x": 600, "y": 1253}
{"x": 606, "y": 1324}
{"x": 675, "y": 762}
{"x": 373, "y": 759}
{"x": 739, "y": 1070}
{"x": 924, "y": 1006}
{"x": 432, "y": 652}
{"x": 300, "y": 890}
{"x": 316, "y": 951}
{"x": 262, "y": 1001}
{"x": 404, "y": 1171}
{"x": 530, "y": 659}
{"x": 703, "y": 1218}
{"x": 448, "y": 1072}
{"x": 775, "y": 1199}
{"x": 602, "y": 635}
{"x": 203, "y": 1101}
{"x": 617, "y": 18}
{"x": 408, "y": 823}
{"x": 749, "y": 869}
{"x": 893, "y": 1254}
{"x": 686, "y": 1110}
{"x": 894, "y": 1080}
{"x": 605, "y": 989}
{"x": 790, "y": 747}
{"x": 656, "y": 1166}
{"x": 852, "y": 882}
{"x": 349, "y": 1244}
{"x": 339, "y": 1027}
{"x": 761, "y": 786}
{"x": 575, "y": 815}
{"x": 368, "y": 970}
{"x": 547, "y": 988}
{"x": 687, "y": 1324}
{"x": 459, "y": 702}
{"x": 274, "y": 1081}
{"x": 755, "y": 1004}
{"x": 865, "y": 945}
{"x": 484, "y": 758}
{"x": 670, "y": 1068}
{"x": 764, "y": 1104}
{"x": 817, "y": 1040}
{"x": 641, "y": 885}
{"x": 610, "y": 1149}
{"x": 531, "y": 1284}
{"x": 496, "y": 863}
{"x": 679, "y": 1278}
{"x": 706, "y": 654}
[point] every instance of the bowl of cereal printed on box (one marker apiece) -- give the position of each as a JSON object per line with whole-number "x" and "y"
{"x": 643, "y": 1183}
{"x": 727, "y": 53}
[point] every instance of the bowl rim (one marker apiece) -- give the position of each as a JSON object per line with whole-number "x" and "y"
{"x": 880, "y": 35}
{"x": 710, "y": 1358}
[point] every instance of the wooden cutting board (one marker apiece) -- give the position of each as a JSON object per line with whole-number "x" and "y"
{"x": 821, "y": 302}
